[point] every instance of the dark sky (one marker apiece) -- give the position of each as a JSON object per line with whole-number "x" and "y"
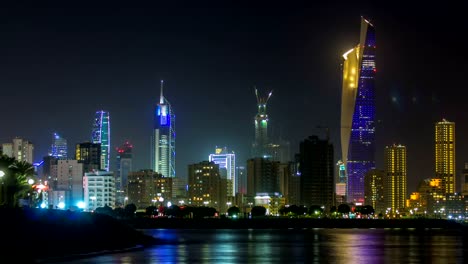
{"x": 59, "y": 64}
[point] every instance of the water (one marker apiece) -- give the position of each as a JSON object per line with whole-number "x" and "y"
{"x": 297, "y": 246}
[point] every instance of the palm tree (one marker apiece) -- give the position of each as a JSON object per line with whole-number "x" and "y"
{"x": 15, "y": 180}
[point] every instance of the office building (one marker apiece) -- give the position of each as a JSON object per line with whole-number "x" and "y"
{"x": 358, "y": 112}
{"x": 445, "y": 154}
{"x": 59, "y": 148}
{"x": 395, "y": 189}
{"x": 163, "y": 138}
{"x": 101, "y": 135}
{"x": 227, "y": 168}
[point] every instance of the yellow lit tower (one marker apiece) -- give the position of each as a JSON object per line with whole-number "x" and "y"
{"x": 445, "y": 154}
{"x": 395, "y": 177}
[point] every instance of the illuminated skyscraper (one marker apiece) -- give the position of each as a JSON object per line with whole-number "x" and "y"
{"x": 227, "y": 167}
{"x": 445, "y": 154}
{"x": 395, "y": 177}
{"x": 163, "y": 139}
{"x": 260, "y": 145}
{"x": 101, "y": 135}
{"x": 358, "y": 112}
{"x": 374, "y": 190}
{"x": 58, "y": 148}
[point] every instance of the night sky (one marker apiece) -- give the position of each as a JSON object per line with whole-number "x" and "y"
{"x": 60, "y": 64}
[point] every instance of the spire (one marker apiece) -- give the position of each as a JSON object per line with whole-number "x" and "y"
{"x": 161, "y": 98}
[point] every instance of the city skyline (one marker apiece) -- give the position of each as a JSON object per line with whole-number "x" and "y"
{"x": 113, "y": 59}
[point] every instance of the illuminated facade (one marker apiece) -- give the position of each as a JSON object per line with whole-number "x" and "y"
{"x": 20, "y": 149}
{"x": 70, "y": 180}
{"x": 163, "y": 139}
{"x": 206, "y": 188}
{"x": 260, "y": 146}
{"x": 445, "y": 154}
{"x": 90, "y": 155}
{"x": 227, "y": 167}
{"x": 148, "y": 188}
{"x": 99, "y": 189}
{"x": 101, "y": 135}
{"x": 374, "y": 190}
{"x": 395, "y": 177}
{"x": 59, "y": 147}
{"x": 358, "y": 112}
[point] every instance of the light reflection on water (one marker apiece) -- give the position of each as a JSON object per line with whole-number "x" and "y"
{"x": 297, "y": 246}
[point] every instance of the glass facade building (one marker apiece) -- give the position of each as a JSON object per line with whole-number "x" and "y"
{"x": 101, "y": 135}
{"x": 59, "y": 148}
{"x": 227, "y": 166}
{"x": 163, "y": 139}
{"x": 358, "y": 112}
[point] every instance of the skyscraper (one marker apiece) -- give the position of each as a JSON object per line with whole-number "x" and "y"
{"x": 20, "y": 149}
{"x": 124, "y": 167}
{"x": 445, "y": 154}
{"x": 101, "y": 135}
{"x": 227, "y": 167}
{"x": 374, "y": 190}
{"x": 163, "y": 139}
{"x": 358, "y": 112}
{"x": 316, "y": 170}
{"x": 260, "y": 145}
{"x": 395, "y": 177}
{"x": 90, "y": 155}
{"x": 59, "y": 148}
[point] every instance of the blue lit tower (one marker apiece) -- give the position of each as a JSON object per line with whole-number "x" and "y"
{"x": 58, "y": 149}
{"x": 163, "y": 139}
{"x": 260, "y": 145}
{"x": 101, "y": 135}
{"x": 358, "y": 112}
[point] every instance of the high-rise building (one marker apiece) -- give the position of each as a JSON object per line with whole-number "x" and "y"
{"x": 374, "y": 190}
{"x": 163, "y": 139}
{"x": 316, "y": 169}
{"x": 260, "y": 145}
{"x": 445, "y": 154}
{"x": 99, "y": 189}
{"x": 206, "y": 186}
{"x": 20, "y": 149}
{"x": 59, "y": 147}
{"x": 341, "y": 182}
{"x": 241, "y": 180}
{"x": 101, "y": 135}
{"x": 465, "y": 180}
{"x": 358, "y": 112}
{"x": 70, "y": 180}
{"x": 395, "y": 178}
{"x": 124, "y": 167}
{"x": 90, "y": 155}
{"x": 262, "y": 176}
{"x": 148, "y": 188}
{"x": 227, "y": 167}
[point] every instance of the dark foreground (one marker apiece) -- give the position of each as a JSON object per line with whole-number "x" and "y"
{"x": 38, "y": 235}
{"x": 35, "y": 235}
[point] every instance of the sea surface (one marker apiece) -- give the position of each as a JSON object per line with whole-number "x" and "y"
{"x": 297, "y": 246}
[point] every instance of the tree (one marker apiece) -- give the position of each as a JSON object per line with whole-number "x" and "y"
{"x": 315, "y": 210}
{"x": 233, "y": 211}
{"x": 15, "y": 180}
{"x": 130, "y": 210}
{"x": 344, "y": 209}
{"x": 258, "y": 211}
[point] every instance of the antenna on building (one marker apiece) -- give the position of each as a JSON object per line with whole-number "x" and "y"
{"x": 161, "y": 98}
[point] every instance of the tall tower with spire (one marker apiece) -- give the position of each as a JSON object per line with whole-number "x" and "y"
{"x": 163, "y": 139}
{"x": 101, "y": 135}
{"x": 260, "y": 145}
